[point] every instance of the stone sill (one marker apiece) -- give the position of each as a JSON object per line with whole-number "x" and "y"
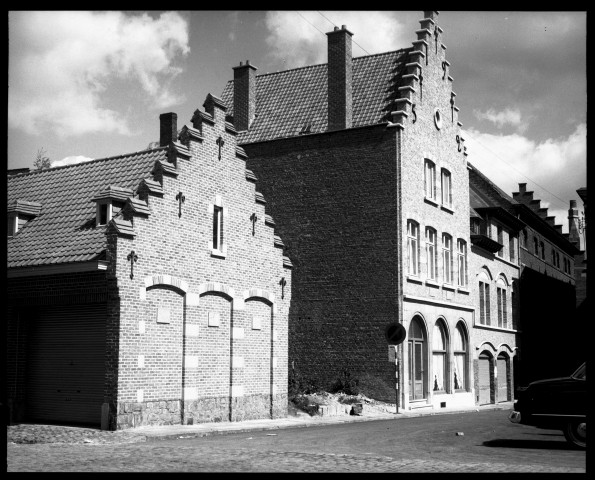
{"x": 414, "y": 279}
{"x": 447, "y": 209}
{"x": 430, "y": 201}
{"x": 446, "y": 286}
{"x": 498, "y": 329}
{"x": 432, "y": 283}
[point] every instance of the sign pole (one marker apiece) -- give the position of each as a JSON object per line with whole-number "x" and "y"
{"x": 397, "y": 376}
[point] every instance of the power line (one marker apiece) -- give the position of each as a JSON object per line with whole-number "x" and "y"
{"x": 564, "y": 202}
{"x": 332, "y": 23}
{"x": 309, "y": 22}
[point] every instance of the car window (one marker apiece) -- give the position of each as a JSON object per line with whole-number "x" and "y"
{"x": 581, "y": 372}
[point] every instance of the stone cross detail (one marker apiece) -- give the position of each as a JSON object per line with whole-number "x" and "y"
{"x": 132, "y": 258}
{"x": 181, "y": 199}
{"x": 452, "y": 107}
{"x": 253, "y": 218}
{"x": 421, "y": 91}
{"x": 436, "y": 38}
{"x": 283, "y": 282}
{"x": 220, "y": 142}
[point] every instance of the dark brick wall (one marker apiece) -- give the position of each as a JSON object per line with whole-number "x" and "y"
{"x": 333, "y": 198}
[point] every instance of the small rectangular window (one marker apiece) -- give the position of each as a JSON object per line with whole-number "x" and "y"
{"x": 102, "y": 214}
{"x": 462, "y": 262}
{"x": 11, "y": 225}
{"x": 431, "y": 252}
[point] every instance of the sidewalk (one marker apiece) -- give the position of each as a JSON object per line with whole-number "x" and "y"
{"x": 34, "y": 433}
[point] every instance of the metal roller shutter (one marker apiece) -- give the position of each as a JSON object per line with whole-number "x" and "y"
{"x": 502, "y": 380}
{"x": 66, "y": 364}
{"x": 484, "y": 380}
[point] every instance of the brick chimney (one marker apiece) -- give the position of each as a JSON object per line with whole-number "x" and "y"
{"x": 244, "y": 95}
{"x": 573, "y": 218}
{"x": 168, "y": 128}
{"x": 340, "y": 79}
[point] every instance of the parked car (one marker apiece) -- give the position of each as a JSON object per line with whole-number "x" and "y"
{"x": 556, "y": 404}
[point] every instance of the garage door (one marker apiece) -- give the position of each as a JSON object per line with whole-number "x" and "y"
{"x": 502, "y": 380}
{"x": 66, "y": 364}
{"x": 484, "y": 380}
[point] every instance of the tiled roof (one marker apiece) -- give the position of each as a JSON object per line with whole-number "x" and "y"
{"x": 65, "y": 230}
{"x": 484, "y": 193}
{"x": 294, "y": 101}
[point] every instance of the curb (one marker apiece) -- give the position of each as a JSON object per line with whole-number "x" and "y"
{"x": 332, "y": 420}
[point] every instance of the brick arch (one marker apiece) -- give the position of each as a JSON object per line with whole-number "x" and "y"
{"x": 482, "y": 346}
{"x": 265, "y": 295}
{"x": 163, "y": 279}
{"x": 216, "y": 287}
{"x": 511, "y": 351}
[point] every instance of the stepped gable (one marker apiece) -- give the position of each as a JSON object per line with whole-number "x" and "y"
{"x": 294, "y": 102}
{"x": 65, "y": 229}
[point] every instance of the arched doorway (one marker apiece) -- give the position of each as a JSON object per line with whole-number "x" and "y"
{"x": 485, "y": 380}
{"x": 502, "y": 369}
{"x": 417, "y": 360}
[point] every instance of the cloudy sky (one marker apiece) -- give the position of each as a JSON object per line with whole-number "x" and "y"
{"x": 86, "y": 85}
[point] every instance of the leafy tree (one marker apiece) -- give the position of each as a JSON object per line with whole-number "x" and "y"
{"x": 42, "y": 161}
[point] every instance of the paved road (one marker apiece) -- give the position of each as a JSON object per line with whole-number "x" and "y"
{"x": 426, "y": 444}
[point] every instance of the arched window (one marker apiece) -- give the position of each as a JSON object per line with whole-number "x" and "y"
{"x": 484, "y": 298}
{"x": 430, "y": 179}
{"x": 460, "y": 358}
{"x": 413, "y": 246}
{"x": 439, "y": 358}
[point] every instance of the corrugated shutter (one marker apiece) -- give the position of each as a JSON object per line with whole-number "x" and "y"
{"x": 502, "y": 380}
{"x": 484, "y": 380}
{"x": 66, "y": 364}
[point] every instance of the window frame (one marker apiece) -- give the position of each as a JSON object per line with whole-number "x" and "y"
{"x": 432, "y": 253}
{"x": 446, "y": 187}
{"x": 484, "y": 300}
{"x": 430, "y": 187}
{"x": 217, "y": 243}
{"x": 447, "y": 263}
{"x": 460, "y": 332}
{"x": 442, "y": 353}
{"x": 413, "y": 248}
{"x": 462, "y": 273}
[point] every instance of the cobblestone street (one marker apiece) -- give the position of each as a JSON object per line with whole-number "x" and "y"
{"x": 426, "y": 444}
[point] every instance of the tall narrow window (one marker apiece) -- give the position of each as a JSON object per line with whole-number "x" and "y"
{"x": 484, "y": 299}
{"x": 217, "y": 228}
{"x": 462, "y": 262}
{"x": 438, "y": 358}
{"x": 502, "y": 303}
{"x": 460, "y": 354}
{"x": 430, "y": 179}
{"x": 431, "y": 253}
{"x": 413, "y": 246}
{"x": 446, "y": 188}
{"x": 447, "y": 257}
{"x": 500, "y": 240}
{"x": 536, "y": 246}
{"x": 523, "y": 237}
{"x": 511, "y": 247}
{"x": 542, "y": 247}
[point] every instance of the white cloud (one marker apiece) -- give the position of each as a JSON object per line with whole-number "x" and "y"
{"x": 297, "y": 38}
{"x": 554, "y": 169}
{"x": 507, "y": 116}
{"x": 62, "y": 64}
{"x": 70, "y": 161}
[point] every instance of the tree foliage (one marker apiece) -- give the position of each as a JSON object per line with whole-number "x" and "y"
{"x": 42, "y": 161}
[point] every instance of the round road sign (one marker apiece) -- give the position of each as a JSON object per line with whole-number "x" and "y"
{"x": 395, "y": 333}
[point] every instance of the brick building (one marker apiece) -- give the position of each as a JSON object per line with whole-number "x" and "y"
{"x": 495, "y": 269}
{"x": 364, "y": 167}
{"x": 147, "y": 288}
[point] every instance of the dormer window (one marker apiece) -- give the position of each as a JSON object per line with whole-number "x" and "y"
{"x": 19, "y": 213}
{"x": 109, "y": 202}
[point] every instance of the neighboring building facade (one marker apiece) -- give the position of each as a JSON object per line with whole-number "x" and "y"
{"x": 551, "y": 339}
{"x": 577, "y": 234}
{"x": 364, "y": 168}
{"x": 495, "y": 269}
{"x": 148, "y": 288}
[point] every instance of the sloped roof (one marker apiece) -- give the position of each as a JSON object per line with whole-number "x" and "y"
{"x": 485, "y": 193}
{"x": 290, "y": 101}
{"x": 65, "y": 231}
